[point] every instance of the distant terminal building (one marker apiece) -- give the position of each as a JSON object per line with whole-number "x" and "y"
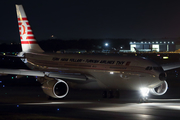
{"x": 152, "y": 46}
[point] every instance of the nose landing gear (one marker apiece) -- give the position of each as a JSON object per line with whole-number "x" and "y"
{"x": 143, "y": 99}
{"x": 144, "y": 95}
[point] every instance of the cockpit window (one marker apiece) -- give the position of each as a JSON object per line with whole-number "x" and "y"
{"x": 147, "y": 68}
{"x": 157, "y": 68}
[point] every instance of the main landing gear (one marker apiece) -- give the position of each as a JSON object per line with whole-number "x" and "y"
{"x": 110, "y": 94}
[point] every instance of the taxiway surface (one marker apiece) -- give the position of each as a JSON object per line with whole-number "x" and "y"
{"x": 26, "y": 100}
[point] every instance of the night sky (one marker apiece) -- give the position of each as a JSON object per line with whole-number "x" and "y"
{"x": 75, "y": 19}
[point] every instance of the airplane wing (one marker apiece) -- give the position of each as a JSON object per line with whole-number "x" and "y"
{"x": 70, "y": 76}
{"x": 170, "y": 66}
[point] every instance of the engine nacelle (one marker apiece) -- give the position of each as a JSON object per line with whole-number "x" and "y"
{"x": 160, "y": 90}
{"x": 56, "y": 88}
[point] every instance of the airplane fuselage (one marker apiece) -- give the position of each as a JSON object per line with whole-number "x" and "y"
{"x": 107, "y": 71}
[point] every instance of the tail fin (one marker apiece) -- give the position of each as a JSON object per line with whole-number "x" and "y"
{"x": 28, "y": 42}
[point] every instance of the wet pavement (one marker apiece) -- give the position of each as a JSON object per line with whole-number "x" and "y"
{"x": 26, "y": 100}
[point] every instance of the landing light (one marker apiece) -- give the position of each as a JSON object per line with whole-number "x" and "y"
{"x": 144, "y": 91}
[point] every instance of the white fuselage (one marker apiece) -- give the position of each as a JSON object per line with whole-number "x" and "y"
{"x": 107, "y": 71}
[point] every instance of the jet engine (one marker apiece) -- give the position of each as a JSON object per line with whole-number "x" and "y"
{"x": 55, "y": 88}
{"x": 160, "y": 90}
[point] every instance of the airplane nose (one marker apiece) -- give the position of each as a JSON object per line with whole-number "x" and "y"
{"x": 163, "y": 76}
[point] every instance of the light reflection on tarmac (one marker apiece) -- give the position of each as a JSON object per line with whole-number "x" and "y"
{"x": 152, "y": 110}
{"x": 31, "y": 102}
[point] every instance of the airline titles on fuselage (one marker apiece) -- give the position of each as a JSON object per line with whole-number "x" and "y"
{"x": 91, "y": 61}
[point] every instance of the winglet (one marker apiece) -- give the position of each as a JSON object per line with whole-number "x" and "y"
{"x": 28, "y": 41}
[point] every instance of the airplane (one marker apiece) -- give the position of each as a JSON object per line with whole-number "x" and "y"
{"x": 58, "y": 72}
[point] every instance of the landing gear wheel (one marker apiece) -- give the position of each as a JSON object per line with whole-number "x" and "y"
{"x": 116, "y": 94}
{"x": 110, "y": 94}
{"x": 104, "y": 95}
{"x": 143, "y": 100}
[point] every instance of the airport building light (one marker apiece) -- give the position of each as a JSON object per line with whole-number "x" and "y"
{"x": 132, "y": 47}
{"x": 106, "y": 44}
{"x": 157, "y": 46}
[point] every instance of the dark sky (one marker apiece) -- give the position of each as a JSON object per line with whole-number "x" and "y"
{"x": 68, "y": 19}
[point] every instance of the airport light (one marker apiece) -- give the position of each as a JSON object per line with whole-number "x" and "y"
{"x": 106, "y": 44}
{"x": 165, "y": 57}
